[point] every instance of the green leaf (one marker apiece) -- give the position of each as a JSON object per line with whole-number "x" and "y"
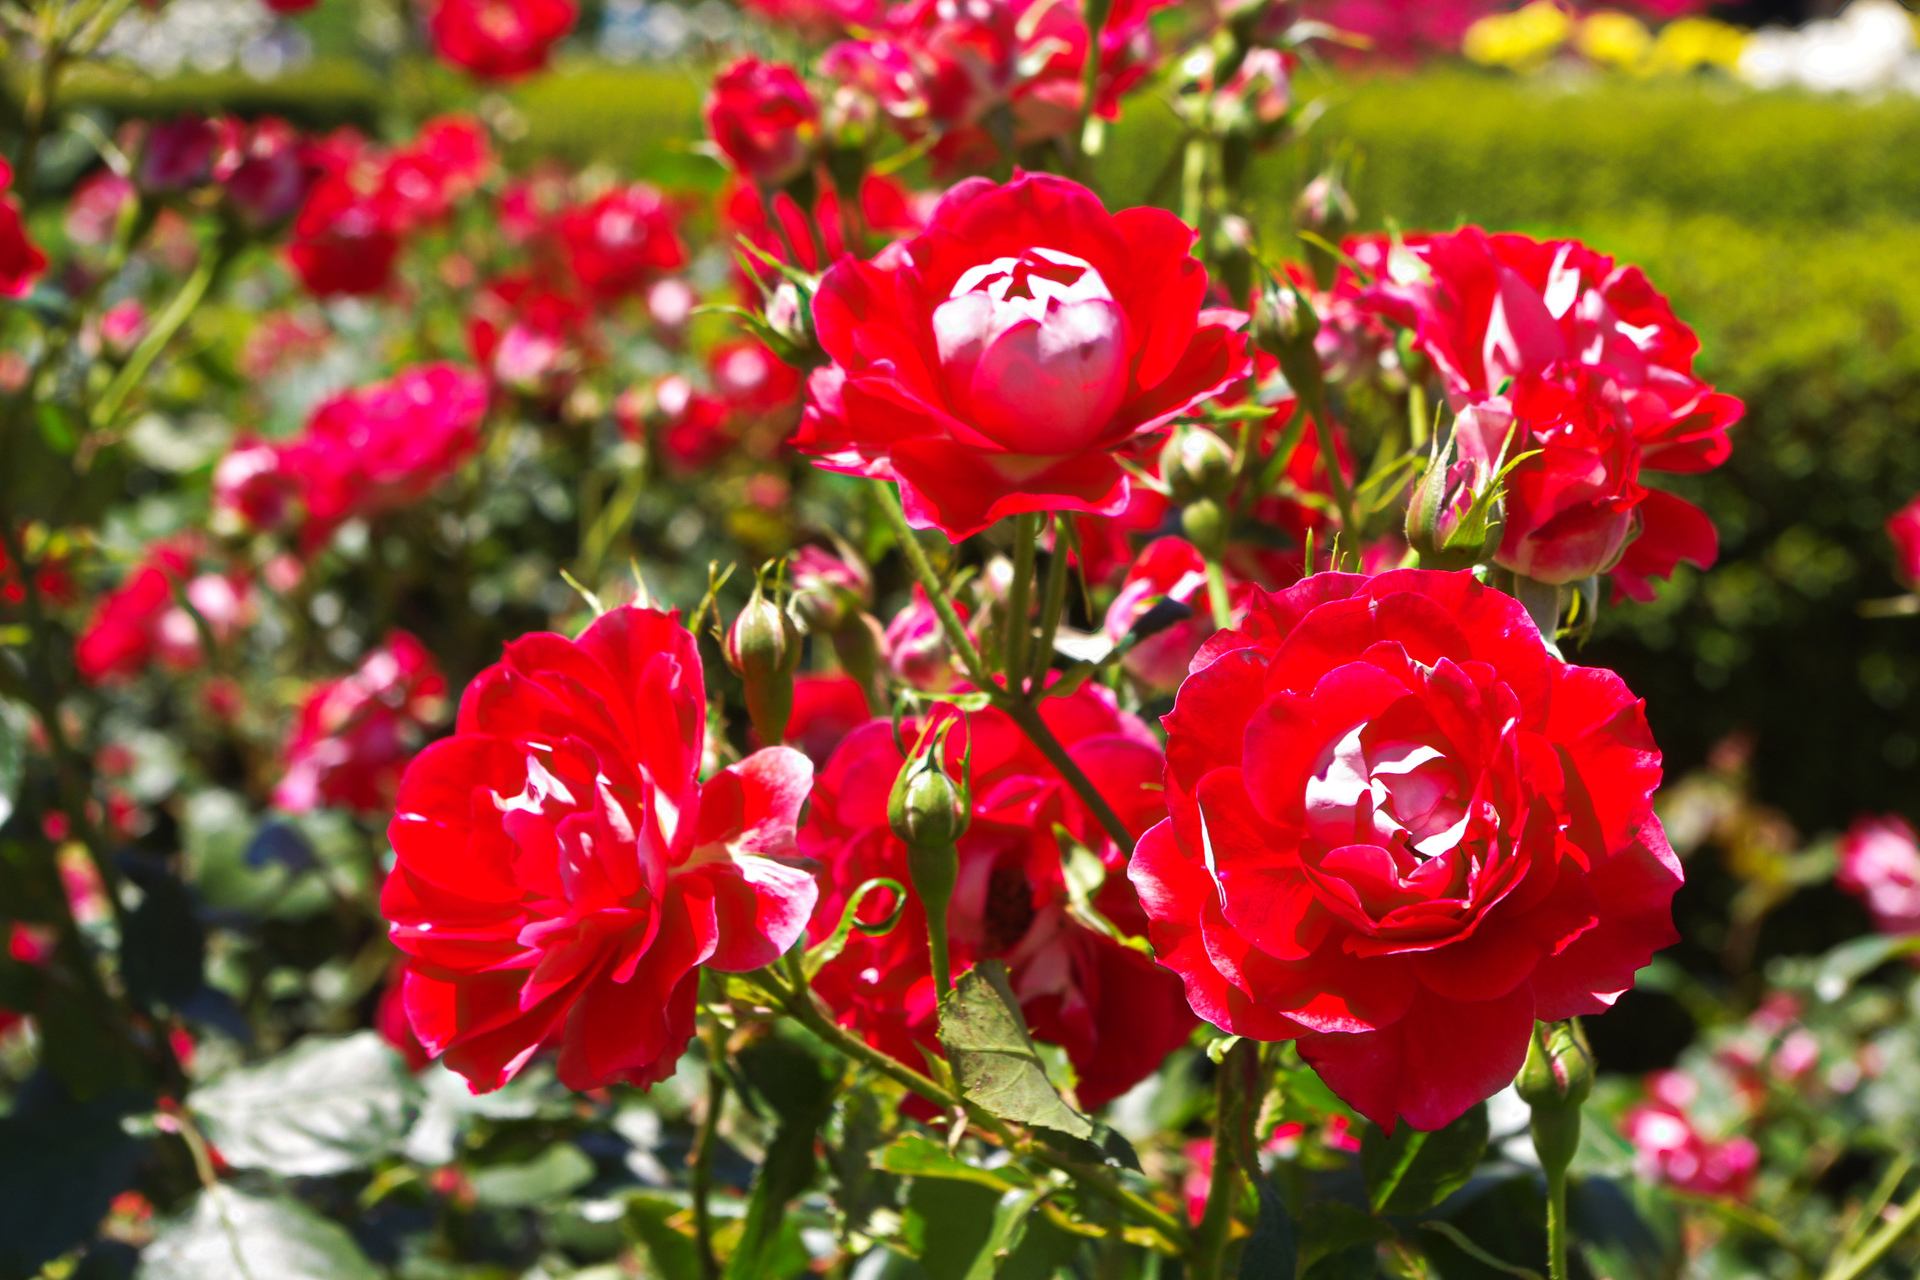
{"x": 230, "y": 1235}
{"x": 915, "y": 1155}
{"x": 673, "y": 1252}
{"x": 800, "y": 1091}
{"x": 1004, "y": 1236}
{"x": 13, "y": 756}
{"x": 1854, "y": 959}
{"x": 1336, "y": 1241}
{"x": 993, "y": 1057}
{"x": 947, "y": 1223}
{"x": 560, "y": 1169}
{"x": 1411, "y": 1171}
{"x": 322, "y": 1107}
{"x": 61, "y": 1164}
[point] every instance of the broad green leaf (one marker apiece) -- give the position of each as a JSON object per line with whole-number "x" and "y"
{"x": 322, "y": 1107}
{"x": 1411, "y": 1171}
{"x": 13, "y": 756}
{"x": 61, "y": 1164}
{"x": 1846, "y": 964}
{"x": 946, "y": 1224}
{"x": 673, "y": 1253}
{"x": 915, "y": 1155}
{"x": 449, "y": 1105}
{"x": 558, "y": 1170}
{"x": 230, "y": 1235}
{"x": 993, "y": 1057}
{"x": 163, "y": 950}
{"x": 800, "y": 1091}
{"x": 1004, "y": 1236}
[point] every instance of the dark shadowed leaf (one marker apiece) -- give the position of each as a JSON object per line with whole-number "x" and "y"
{"x": 323, "y": 1106}
{"x": 1271, "y": 1252}
{"x": 1337, "y": 1241}
{"x": 13, "y": 756}
{"x": 61, "y": 1164}
{"x": 1411, "y": 1171}
{"x": 672, "y": 1252}
{"x": 993, "y": 1057}
{"x": 277, "y": 1238}
{"x": 164, "y": 948}
{"x": 800, "y": 1092}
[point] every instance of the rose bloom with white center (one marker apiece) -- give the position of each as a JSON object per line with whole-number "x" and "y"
{"x": 994, "y": 363}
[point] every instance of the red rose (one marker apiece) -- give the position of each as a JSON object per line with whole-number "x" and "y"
{"x": 561, "y": 870}
{"x": 426, "y": 179}
{"x": 390, "y": 1020}
{"x": 621, "y": 241}
{"x": 343, "y": 240}
{"x": 752, "y": 378}
{"x": 354, "y": 735}
{"x": 1903, "y": 527}
{"x": 825, "y": 710}
{"x": 140, "y": 621}
{"x": 262, "y": 171}
{"x": 21, "y": 260}
{"x": 1401, "y": 831}
{"x": 992, "y": 364}
{"x": 1602, "y": 381}
{"x": 177, "y": 155}
{"x": 887, "y": 209}
{"x": 1669, "y": 1148}
{"x": 93, "y": 211}
{"x": 1880, "y": 864}
{"x": 1116, "y": 1014}
{"x": 500, "y": 39}
{"x": 763, "y": 119}
{"x": 915, "y": 645}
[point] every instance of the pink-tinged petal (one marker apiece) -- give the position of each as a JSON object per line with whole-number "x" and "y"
{"x": 1430, "y": 1066}
{"x": 1634, "y": 889}
{"x": 762, "y": 907}
{"x": 754, "y": 806}
{"x": 1167, "y": 285}
{"x": 961, "y": 491}
{"x": 1612, "y": 764}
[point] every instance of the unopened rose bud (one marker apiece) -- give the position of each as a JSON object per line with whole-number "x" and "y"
{"x": 1325, "y": 208}
{"x": 763, "y": 649}
{"x": 1205, "y": 525}
{"x": 1285, "y": 326}
{"x": 1555, "y": 1081}
{"x": 829, "y": 590}
{"x": 1195, "y": 464}
{"x": 788, "y": 325}
{"x": 1454, "y": 518}
{"x": 928, "y": 807}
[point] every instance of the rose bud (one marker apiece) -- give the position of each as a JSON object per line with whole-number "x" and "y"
{"x": 763, "y": 649}
{"x": 929, "y": 812}
{"x": 1285, "y": 326}
{"x": 1196, "y": 464}
{"x": 916, "y": 645}
{"x": 829, "y": 590}
{"x": 1556, "y": 1079}
{"x": 1325, "y": 209}
{"x": 1454, "y": 517}
{"x": 1205, "y": 525}
{"x": 763, "y": 119}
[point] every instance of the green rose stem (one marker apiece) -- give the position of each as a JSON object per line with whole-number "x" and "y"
{"x": 1851, "y": 1266}
{"x": 1016, "y": 705}
{"x": 1554, "y": 1082}
{"x": 1055, "y": 599}
{"x": 1013, "y": 655}
{"x": 795, "y": 997}
{"x": 929, "y": 812}
{"x": 1239, "y": 1067}
{"x": 700, "y": 1176}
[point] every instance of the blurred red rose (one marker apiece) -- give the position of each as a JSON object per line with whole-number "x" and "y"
{"x": 563, "y": 872}
{"x": 621, "y": 241}
{"x": 887, "y": 210}
{"x": 93, "y": 211}
{"x": 500, "y": 39}
{"x": 262, "y": 170}
{"x": 141, "y": 621}
{"x": 1602, "y": 381}
{"x": 1401, "y": 831}
{"x": 1903, "y": 527}
{"x": 355, "y": 734}
{"x": 177, "y": 155}
{"x": 1880, "y": 864}
{"x": 992, "y": 364}
{"x": 915, "y": 645}
{"x": 343, "y": 240}
{"x": 21, "y": 260}
{"x": 50, "y": 577}
{"x": 752, "y": 378}
{"x": 763, "y": 119}
{"x": 1115, "y": 1012}
{"x": 290, "y": 7}
{"x": 390, "y": 1020}
{"x": 426, "y": 179}
{"x": 692, "y": 428}
{"x": 820, "y": 20}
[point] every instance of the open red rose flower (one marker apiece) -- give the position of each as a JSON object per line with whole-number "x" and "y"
{"x": 562, "y": 872}
{"x": 1528, "y": 326}
{"x": 1401, "y": 830}
{"x": 993, "y": 363}
{"x": 1115, "y": 1012}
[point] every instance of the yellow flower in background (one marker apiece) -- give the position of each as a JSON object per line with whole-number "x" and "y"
{"x": 1522, "y": 39}
{"x": 1614, "y": 39}
{"x": 1688, "y": 44}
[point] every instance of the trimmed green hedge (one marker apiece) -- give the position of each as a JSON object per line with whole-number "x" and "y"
{"x": 1785, "y": 228}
